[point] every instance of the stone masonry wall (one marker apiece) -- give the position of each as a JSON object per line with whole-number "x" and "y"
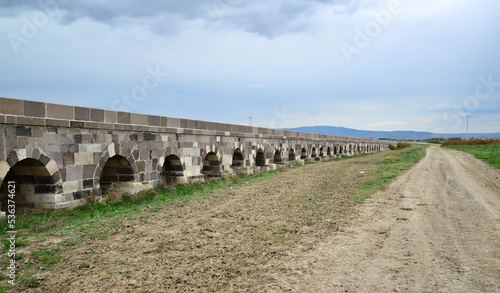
{"x": 57, "y": 153}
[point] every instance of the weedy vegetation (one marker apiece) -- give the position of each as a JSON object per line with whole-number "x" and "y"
{"x": 487, "y": 150}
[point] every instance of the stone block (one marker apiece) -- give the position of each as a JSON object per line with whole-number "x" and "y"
{"x": 51, "y": 167}
{"x": 53, "y": 148}
{"x": 97, "y": 115}
{"x": 4, "y": 168}
{"x": 57, "y": 123}
{"x": 45, "y": 198}
{"x": 91, "y": 125}
{"x": 139, "y": 128}
{"x": 60, "y": 111}
{"x": 70, "y": 186}
{"x": 68, "y": 159}
{"x": 23, "y": 131}
{"x": 106, "y": 126}
{"x": 154, "y": 120}
{"x": 30, "y": 121}
{"x": 85, "y": 158}
{"x": 128, "y": 127}
{"x": 174, "y": 122}
{"x": 164, "y": 121}
{"x": 198, "y": 125}
{"x": 82, "y": 113}
{"x": 88, "y": 183}
{"x": 110, "y": 116}
{"x": 138, "y": 119}
{"x": 194, "y": 152}
{"x": 11, "y": 106}
{"x": 123, "y": 118}
{"x": 74, "y": 172}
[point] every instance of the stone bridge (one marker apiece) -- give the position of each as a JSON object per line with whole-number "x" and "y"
{"x": 61, "y": 156}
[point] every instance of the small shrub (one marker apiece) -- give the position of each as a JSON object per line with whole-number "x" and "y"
{"x": 392, "y": 147}
{"x": 112, "y": 197}
{"x": 437, "y": 141}
{"x": 471, "y": 142}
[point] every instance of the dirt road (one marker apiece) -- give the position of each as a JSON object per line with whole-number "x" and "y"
{"x": 436, "y": 229}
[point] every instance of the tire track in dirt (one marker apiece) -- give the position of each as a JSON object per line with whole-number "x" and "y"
{"x": 435, "y": 229}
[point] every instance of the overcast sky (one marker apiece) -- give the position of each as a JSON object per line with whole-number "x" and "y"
{"x": 374, "y": 65}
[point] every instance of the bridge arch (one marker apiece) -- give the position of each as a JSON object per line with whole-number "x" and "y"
{"x": 36, "y": 176}
{"x": 211, "y": 166}
{"x": 313, "y": 152}
{"x": 116, "y": 172}
{"x": 238, "y": 158}
{"x": 173, "y": 169}
{"x": 291, "y": 155}
{"x": 328, "y": 151}
{"x": 321, "y": 154}
{"x": 303, "y": 154}
{"x": 260, "y": 158}
{"x": 277, "y": 157}
{"x": 122, "y": 166}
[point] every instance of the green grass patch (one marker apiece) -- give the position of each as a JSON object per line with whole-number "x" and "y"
{"x": 394, "y": 165}
{"x": 18, "y": 243}
{"x": 47, "y": 257}
{"x": 488, "y": 152}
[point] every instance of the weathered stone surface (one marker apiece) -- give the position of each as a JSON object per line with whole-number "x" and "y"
{"x": 57, "y": 111}
{"x": 77, "y": 155}
{"x": 34, "y": 109}
{"x": 82, "y": 113}
{"x": 11, "y": 106}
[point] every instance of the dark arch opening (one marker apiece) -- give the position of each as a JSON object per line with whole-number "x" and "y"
{"x": 117, "y": 170}
{"x": 328, "y": 151}
{"x": 260, "y": 159}
{"x": 172, "y": 169}
{"x": 341, "y": 150}
{"x": 313, "y": 153}
{"x": 211, "y": 166}
{"x": 303, "y": 154}
{"x": 321, "y": 151}
{"x": 277, "y": 157}
{"x": 238, "y": 160}
{"x": 291, "y": 155}
{"x": 31, "y": 178}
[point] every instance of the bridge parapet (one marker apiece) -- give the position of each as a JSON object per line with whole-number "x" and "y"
{"x": 62, "y": 155}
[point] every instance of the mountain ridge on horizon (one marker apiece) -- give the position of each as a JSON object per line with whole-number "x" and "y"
{"x": 397, "y": 134}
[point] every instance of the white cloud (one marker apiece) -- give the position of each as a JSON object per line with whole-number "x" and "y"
{"x": 233, "y": 59}
{"x": 386, "y": 123}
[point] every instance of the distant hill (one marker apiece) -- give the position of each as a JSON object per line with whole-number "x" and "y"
{"x": 343, "y": 131}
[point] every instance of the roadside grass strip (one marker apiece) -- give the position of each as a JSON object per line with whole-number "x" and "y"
{"x": 394, "y": 165}
{"x": 487, "y": 152}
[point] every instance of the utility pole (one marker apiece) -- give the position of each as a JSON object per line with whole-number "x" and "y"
{"x": 250, "y": 120}
{"x": 467, "y": 137}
